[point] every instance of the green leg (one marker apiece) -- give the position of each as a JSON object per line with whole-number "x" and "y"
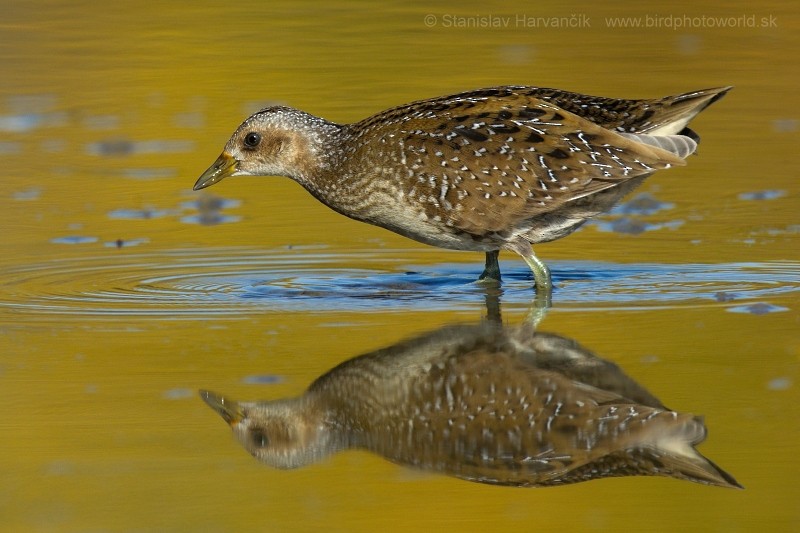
{"x": 541, "y": 274}
{"x": 491, "y": 274}
{"x": 536, "y": 314}
{"x": 542, "y": 282}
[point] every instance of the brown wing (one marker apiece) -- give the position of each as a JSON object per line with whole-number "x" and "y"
{"x": 506, "y": 155}
{"x": 668, "y": 115}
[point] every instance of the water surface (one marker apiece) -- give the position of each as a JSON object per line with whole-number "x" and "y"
{"x": 123, "y": 292}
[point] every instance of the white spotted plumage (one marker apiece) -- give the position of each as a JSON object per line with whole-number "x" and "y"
{"x": 497, "y": 168}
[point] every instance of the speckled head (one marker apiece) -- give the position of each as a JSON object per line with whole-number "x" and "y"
{"x": 276, "y": 141}
{"x": 281, "y": 433}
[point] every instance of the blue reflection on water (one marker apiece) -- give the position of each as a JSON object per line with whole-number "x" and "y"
{"x": 182, "y": 284}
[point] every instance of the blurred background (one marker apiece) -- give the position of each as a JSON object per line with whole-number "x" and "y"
{"x": 122, "y": 291}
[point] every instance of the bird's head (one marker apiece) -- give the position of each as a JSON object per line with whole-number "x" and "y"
{"x": 279, "y": 433}
{"x": 276, "y": 141}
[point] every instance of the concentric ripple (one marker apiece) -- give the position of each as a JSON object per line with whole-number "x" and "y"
{"x": 183, "y": 284}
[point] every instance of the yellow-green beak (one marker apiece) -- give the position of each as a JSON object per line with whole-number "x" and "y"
{"x": 225, "y": 165}
{"x": 229, "y": 410}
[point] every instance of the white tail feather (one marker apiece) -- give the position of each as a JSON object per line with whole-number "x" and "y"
{"x": 680, "y": 145}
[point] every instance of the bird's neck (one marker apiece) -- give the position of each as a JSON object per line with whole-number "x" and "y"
{"x": 321, "y": 168}
{"x": 318, "y": 151}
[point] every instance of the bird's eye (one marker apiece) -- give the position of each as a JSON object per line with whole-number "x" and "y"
{"x": 252, "y": 139}
{"x": 260, "y": 438}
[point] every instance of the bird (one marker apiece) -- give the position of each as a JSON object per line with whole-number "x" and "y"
{"x": 499, "y": 168}
{"x": 497, "y": 405}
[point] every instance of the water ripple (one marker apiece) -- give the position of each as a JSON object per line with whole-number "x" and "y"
{"x": 185, "y": 284}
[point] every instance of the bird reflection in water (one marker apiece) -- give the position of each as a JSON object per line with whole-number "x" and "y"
{"x": 485, "y": 403}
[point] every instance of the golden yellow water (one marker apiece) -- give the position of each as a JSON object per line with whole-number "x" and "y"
{"x": 108, "y": 115}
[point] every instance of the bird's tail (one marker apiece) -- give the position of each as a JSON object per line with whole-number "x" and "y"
{"x": 671, "y": 447}
{"x": 671, "y": 114}
{"x": 681, "y": 145}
